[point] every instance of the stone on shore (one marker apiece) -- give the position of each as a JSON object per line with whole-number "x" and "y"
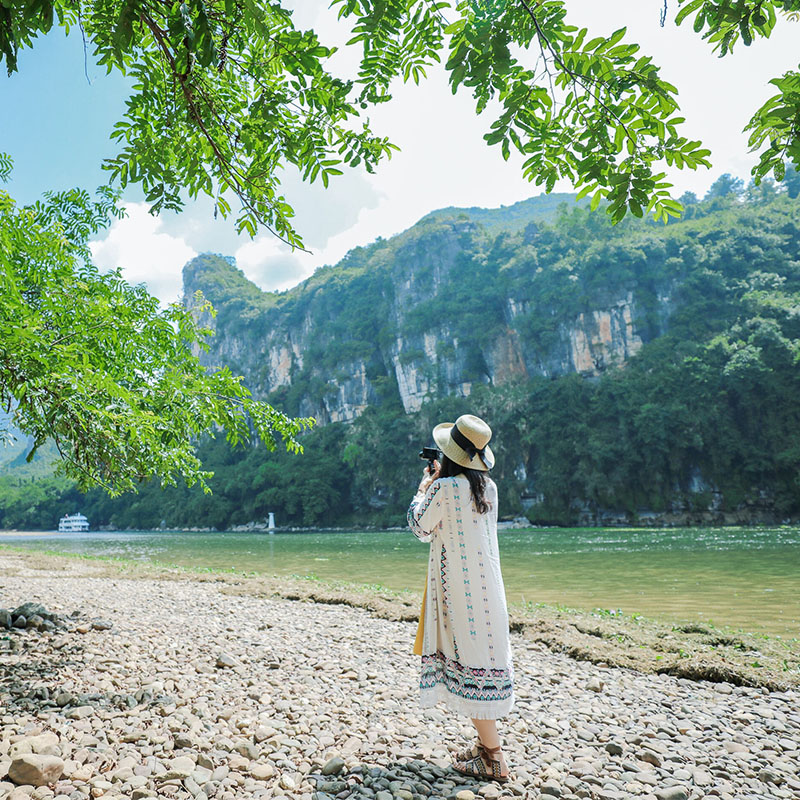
{"x": 334, "y": 766}
{"x": 226, "y": 661}
{"x": 595, "y": 685}
{"x": 46, "y": 744}
{"x": 262, "y": 772}
{"x": 33, "y": 769}
{"x": 672, "y": 793}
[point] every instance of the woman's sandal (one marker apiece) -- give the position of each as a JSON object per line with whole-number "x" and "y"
{"x": 476, "y": 768}
{"x": 469, "y": 753}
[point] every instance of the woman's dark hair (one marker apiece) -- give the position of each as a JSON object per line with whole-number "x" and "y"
{"x": 476, "y": 478}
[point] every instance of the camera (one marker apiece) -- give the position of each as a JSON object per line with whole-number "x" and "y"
{"x": 429, "y": 454}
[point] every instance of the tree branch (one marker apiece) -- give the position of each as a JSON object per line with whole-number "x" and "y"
{"x": 576, "y": 79}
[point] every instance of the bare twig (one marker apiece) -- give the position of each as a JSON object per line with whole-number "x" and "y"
{"x": 85, "y": 49}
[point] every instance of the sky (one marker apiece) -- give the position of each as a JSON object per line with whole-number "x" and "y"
{"x": 56, "y": 114}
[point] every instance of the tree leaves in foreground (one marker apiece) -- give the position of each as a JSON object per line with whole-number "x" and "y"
{"x": 775, "y": 126}
{"x": 226, "y": 94}
{"x": 94, "y": 363}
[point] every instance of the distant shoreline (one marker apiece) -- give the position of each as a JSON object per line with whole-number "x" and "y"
{"x": 502, "y": 527}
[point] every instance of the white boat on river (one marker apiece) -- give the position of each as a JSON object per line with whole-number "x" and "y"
{"x": 73, "y": 523}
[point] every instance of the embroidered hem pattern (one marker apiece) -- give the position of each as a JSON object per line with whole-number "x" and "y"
{"x": 469, "y": 690}
{"x": 474, "y": 709}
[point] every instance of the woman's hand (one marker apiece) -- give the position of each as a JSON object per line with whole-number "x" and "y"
{"x": 429, "y": 477}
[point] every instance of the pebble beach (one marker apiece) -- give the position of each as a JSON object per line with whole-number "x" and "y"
{"x": 135, "y": 687}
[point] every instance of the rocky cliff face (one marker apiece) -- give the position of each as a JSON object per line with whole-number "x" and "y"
{"x": 386, "y": 325}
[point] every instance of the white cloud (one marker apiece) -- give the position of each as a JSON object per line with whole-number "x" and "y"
{"x": 146, "y": 254}
{"x": 270, "y": 264}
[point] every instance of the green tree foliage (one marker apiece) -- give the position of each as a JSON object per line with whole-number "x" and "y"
{"x": 792, "y": 181}
{"x": 226, "y": 94}
{"x": 775, "y": 126}
{"x": 93, "y": 363}
{"x": 724, "y": 186}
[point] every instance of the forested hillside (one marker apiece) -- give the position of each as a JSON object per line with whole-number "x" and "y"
{"x": 632, "y": 373}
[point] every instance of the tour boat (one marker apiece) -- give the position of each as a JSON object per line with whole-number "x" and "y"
{"x": 73, "y": 523}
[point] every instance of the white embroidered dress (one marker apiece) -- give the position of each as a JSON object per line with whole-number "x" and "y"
{"x": 466, "y": 649}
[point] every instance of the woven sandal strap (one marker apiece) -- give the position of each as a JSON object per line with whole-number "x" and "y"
{"x": 478, "y": 767}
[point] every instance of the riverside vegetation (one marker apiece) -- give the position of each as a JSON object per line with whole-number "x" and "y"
{"x": 693, "y": 425}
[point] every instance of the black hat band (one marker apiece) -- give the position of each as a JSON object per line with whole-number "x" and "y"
{"x": 466, "y": 445}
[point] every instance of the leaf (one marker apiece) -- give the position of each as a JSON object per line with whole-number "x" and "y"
{"x": 687, "y": 9}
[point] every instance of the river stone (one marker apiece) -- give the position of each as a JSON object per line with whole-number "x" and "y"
{"x": 286, "y": 782}
{"x": 180, "y": 767}
{"x": 5, "y": 618}
{"x": 262, "y": 733}
{"x": 30, "y": 609}
{"x": 735, "y": 747}
{"x": 262, "y": 772}
{"x": 183, "y": 740}
{"x": 80, "y": 712}
{"x": 650, "y": 757}
{"x": 18, "y": 794}
{"x": 551, "y": 788}
{"x": 672, "y": 793}
{"x": 614, "y": 749}
{"x": 247, "y": 750}
{"x": 465, "y": 794}
{"x": 333, "y": 787}
{"x": 35, "y": 770}
{"x": 770, "y": 776}
{"x": 45, "y": 744}
{"x": 334, "y": 766}
{"x": 226, "y": 661}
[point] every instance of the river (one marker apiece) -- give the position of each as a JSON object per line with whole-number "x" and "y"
{"x": 747, "y": 578}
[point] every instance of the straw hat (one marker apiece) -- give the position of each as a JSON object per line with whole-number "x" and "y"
{"x": 466, "y": 442}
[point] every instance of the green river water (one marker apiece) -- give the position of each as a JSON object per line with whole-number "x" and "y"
{"x": 748, "y": 578}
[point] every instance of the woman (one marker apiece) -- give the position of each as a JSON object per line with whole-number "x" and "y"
{"x": 463, "y": 630}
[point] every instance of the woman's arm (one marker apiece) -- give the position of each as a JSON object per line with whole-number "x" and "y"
{"x": 425, "y": 511}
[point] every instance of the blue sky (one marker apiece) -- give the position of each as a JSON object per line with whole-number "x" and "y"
{"x": 55, "y": 125}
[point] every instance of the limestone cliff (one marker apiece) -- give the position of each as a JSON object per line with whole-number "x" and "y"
{"x": 435, "y": 310}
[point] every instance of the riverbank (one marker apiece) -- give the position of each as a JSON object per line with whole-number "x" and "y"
{"x": 169, "y": 683}
{"x": 606, "y": 637}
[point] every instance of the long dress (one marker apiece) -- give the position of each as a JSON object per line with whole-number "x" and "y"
{"x": 465, "y": 643}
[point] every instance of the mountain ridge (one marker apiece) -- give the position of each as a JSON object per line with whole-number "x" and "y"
{"x": 392, "y": 339}
{"x": 638, "y": 374}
